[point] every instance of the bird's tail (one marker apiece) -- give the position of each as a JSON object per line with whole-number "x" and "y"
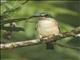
{"x": 49, "y": 45}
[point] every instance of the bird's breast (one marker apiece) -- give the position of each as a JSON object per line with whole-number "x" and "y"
{"x": 47, "y": 27}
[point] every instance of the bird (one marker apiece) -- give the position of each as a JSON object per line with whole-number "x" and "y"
{"x": 48, "y": 27}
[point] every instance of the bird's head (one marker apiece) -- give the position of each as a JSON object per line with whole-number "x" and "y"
{"x": 43, "y": 14}
{"x": 47, "y": 15}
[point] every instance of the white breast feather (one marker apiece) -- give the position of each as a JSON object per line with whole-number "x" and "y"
{"x": 47, "y": 27}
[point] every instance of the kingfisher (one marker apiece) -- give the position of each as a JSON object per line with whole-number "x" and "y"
{"x": 47, "y": 27}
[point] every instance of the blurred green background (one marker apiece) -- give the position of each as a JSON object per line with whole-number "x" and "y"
{"x": 67, "y": 13}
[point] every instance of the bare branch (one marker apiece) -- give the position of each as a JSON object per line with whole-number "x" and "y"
{"x": 20, "y": 44}
{"x": 37, "y": 41}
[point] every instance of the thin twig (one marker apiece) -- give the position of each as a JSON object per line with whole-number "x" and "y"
{"x": 67, "y": 46}
{"x": 16, "y": 20}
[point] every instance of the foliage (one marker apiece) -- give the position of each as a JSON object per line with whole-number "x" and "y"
{"x": 65, "y": 12}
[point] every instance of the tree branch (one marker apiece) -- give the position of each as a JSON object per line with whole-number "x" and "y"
{"x": 20, "y": 44}
{"x": 67, "y": 46}
{"x": 37, "y": 41}
{"x": 16, "y": 20}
